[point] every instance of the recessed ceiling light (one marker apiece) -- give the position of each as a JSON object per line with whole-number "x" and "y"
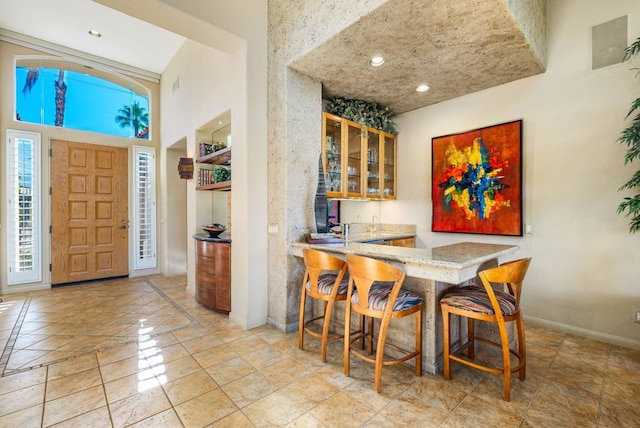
{"x": 422, "y": 88}
{"x": 94, "y": 33}
{"x": 376, "y": 61}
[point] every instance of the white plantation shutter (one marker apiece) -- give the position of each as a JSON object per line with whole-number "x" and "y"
{"x": 24, "y": 241}
{"x": 144, "y": 224}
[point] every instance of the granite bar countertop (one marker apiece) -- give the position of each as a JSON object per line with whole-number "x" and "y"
{"x": 377, "y": 236}
{"x": 453, "y": 264}
{"x": 380, "y": 236}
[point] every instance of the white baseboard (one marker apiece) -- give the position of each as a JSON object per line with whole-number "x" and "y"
{"x": 10, "y": 289}
{"x": 256, "y": 323}
{"x": 247, "y": 325}
{"x": 173, "y": 274}
{"x": 590, "y": 334}
{"x": 143, "y": 272}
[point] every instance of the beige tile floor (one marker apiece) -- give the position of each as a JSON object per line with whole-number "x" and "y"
{"x": 141, "y": 352}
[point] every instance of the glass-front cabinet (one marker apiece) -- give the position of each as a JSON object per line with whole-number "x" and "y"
{"x": 332, "y": 156}
{"x": 359, "y": 162}
{"x": 354, "y": 160}
{"x": 388, "y": 175}
{"x": 373, "y": 163}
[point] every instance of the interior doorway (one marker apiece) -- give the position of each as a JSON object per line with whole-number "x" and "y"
{"x": 89, "y": 212}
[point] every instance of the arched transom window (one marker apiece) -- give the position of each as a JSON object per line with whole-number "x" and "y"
{"x": 57, "y": 92}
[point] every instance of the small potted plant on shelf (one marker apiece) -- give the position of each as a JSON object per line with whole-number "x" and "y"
{"x": 221, "y": 174}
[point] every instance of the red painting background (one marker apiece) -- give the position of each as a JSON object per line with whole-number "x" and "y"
{"x": 503, "y": 140}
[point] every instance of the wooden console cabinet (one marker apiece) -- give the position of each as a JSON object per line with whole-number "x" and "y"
{"x": 213, "y": 274}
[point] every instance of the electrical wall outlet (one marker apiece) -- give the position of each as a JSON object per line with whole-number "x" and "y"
{"x": 637, "y": 313}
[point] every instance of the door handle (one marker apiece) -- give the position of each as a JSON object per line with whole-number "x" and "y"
{"x": 124, "y": 224}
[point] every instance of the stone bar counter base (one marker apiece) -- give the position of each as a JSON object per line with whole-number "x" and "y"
{"x": 430, "y": 272}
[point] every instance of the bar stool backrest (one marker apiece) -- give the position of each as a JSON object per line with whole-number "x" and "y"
{"x": 510, "y": 273}
{"x": 318, "y": 262}
{"x": 364, "y": 271}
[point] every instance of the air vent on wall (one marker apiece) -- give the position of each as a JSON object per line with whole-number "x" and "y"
{"x": 608, "y": 42}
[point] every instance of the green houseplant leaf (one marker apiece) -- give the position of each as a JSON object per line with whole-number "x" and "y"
{"x": 221, "y": 174}
{"x": 630, "y": 137}
{"x": 363, "y": 112}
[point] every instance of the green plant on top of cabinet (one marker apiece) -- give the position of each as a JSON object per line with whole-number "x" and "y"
{"x": 359, "y": 162}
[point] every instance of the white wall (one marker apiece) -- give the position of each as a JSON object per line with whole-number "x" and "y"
{"x": 586, "y": 266}
{"x": 205, "y": 91}
{"x": 174, "y": 220}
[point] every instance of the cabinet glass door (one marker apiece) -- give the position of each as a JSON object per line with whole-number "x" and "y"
{"x": 374, "y": 160}
{"x": 389, "y": 167}
{"x": 354, "y": 161}
{"x": 333, "y": 157}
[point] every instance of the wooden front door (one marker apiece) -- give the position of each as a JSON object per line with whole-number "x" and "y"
{"x": 89, "y": 212}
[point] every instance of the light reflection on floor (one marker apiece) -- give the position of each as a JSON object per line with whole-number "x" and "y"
{"x": 151, "y": 365}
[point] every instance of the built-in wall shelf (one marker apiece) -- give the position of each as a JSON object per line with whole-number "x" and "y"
{"x": 223, "y": 186}
{"x": 219, "y": 157}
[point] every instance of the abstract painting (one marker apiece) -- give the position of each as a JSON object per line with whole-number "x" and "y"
{"x": 476, "y": 184}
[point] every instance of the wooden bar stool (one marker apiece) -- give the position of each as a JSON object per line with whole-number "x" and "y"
{"x": 486, "y": 304}
{"x": 318, "y": 284}
{"x": 375, "y": 290}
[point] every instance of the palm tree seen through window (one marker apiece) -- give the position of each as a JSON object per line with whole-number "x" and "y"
{"x": 70, "y": 95}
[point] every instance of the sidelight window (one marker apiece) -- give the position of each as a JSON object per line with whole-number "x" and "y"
{"x": 24, "y": 246}
{"x": 145, "y": 208}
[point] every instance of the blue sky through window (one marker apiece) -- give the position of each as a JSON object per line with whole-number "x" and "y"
{"x": 92, "y": 103}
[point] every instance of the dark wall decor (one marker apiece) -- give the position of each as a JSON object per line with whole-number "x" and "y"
{"x": 334, "y": 212}
{"x": 476, "y": 183}
{"x": 321, "y": 207}
{"x": 185, "y": 168}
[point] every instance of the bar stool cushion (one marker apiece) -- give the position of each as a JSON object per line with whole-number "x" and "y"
{"x": 326, "y": 282}
{"x": 379, "y": 296}
{"x": 475, "y": 299}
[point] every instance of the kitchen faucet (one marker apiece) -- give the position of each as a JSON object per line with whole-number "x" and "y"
{"x": 373, "y": 227}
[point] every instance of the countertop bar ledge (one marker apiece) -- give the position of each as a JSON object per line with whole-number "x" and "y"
{"x": 453, "y": 264}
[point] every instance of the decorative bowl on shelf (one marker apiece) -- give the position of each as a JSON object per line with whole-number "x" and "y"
{"x": 214, "y": 230}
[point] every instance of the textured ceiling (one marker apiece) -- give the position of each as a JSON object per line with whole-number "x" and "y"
{"x": 455, "y": 46}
